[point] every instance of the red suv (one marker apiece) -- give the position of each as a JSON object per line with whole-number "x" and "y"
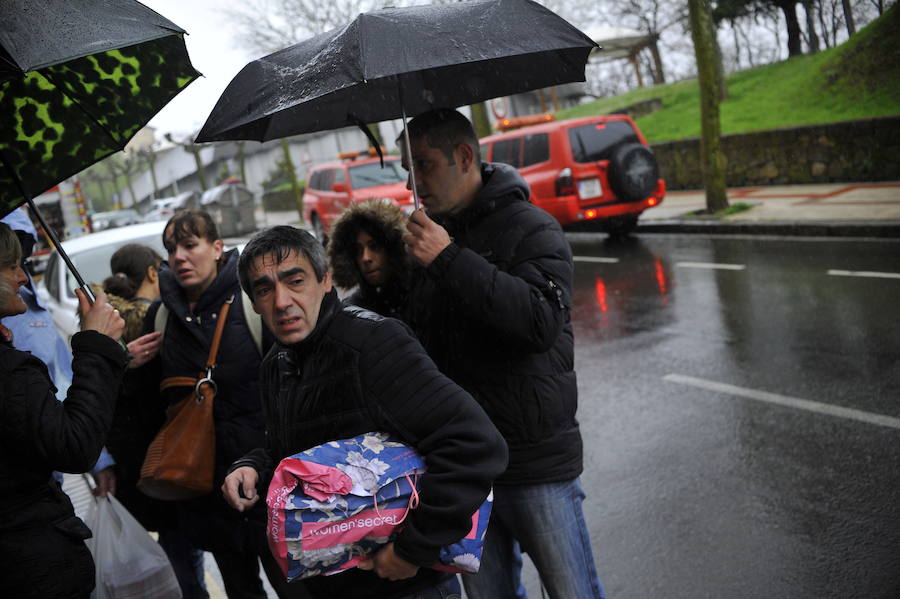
{"x": 332, "y": 187}
{"x": 593, "y": 168}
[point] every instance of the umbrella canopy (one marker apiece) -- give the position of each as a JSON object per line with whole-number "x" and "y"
{"x": 396, "y": 61}
{"x": 77, "y": 81}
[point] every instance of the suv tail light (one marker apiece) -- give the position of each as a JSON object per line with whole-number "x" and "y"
{"x": 565, "y": 184}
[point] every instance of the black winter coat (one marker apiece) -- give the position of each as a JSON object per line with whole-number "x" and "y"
{"x": 42, "y": 551}
{"x": 210, "y": 522}
{"x": 493, "y": 312}
{"x": 358, "y": 372}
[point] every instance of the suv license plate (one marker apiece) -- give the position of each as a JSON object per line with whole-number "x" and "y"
{"x": 589, "y": 188}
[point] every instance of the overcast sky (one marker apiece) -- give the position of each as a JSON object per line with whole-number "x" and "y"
{"x": 214, "y": 51}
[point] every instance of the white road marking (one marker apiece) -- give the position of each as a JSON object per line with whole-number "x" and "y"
{"x": 595, "y": 259}
{"x": 784, "y": 400}
{"x": 864, "y": 273}
{"x": 711, "y": 265}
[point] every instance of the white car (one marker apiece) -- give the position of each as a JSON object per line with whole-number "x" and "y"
{"x": 90, "y": 254}
{"x": 164, "y": 208}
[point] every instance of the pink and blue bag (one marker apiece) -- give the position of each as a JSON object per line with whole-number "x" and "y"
{"x": 334, "y": 504}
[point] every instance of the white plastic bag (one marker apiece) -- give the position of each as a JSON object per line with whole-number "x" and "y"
{"x": 129, "y": 563}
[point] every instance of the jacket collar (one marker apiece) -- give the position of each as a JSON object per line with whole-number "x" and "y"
{"x": 501, "y": 186}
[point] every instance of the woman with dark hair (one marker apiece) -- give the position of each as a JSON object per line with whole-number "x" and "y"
{"x": 195, "y": 283}
{"x": 41, "y": 540}
{"x": 366, "y": 251}
{"x": 133, "y": 286}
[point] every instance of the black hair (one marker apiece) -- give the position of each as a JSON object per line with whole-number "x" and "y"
{"x": 280, "y": 241}
{"x": 129, "y": 266}
{"x": 187, "y": 223}
{"x": 444, "y": 129}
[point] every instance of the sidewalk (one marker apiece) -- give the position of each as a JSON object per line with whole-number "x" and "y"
{"x": 831, "y": 209}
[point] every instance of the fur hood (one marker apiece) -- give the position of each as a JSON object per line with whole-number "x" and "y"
{"x": 383, "y": 220}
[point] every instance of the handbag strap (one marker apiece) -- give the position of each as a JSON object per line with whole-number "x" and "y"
{"x": 217, "y": 336}
{"x": 205, "y": 377}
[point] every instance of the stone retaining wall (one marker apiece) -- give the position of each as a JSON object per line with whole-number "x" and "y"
{"x": 852, "y": 151}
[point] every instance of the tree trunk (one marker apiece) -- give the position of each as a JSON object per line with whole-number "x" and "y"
{"x": 480, "y": 120}
{"x": 195, "y": 150}
{"x": 721, "y": 84}
{"x": 657, "y": 61}
{"x": 242, "y": 161}
{"x": 130, "y": 188}
{"x": 737, "y": 45}
{"x": 811, "y": 26}
{"x": 848, "y": 17}
{"x": 712, "y": 158}
{"x": 637, "y": 69}
{"x": 292, "y": 174}
{"x": 825, "y": 35}
{"x": 795, "y": 42}
{"x": 151, "y": 161}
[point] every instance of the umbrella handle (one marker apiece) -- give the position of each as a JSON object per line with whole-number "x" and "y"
{"x": 59, "y": 248}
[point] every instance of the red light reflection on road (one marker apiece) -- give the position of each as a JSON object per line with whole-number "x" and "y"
{"x": 661, "y": 280}
{"x": 600, "y": 291}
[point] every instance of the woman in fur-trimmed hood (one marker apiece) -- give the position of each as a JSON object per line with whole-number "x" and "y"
{"x": 366, "y": 251}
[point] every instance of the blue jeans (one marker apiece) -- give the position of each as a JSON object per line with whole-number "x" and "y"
{"x": 448, "y": 589}
{"x": 548, "y": 523}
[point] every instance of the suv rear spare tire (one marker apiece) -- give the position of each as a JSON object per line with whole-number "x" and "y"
{"x": 633, "y": 172}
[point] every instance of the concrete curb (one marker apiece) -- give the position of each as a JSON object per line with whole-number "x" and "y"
{"x": 799, "y": 229}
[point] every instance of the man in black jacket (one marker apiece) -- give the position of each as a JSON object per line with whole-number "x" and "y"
{"x": 492, "y": 309}
{"x": 337, "y": 372}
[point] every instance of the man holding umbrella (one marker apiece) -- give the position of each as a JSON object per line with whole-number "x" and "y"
{"x": 491, "y": 306}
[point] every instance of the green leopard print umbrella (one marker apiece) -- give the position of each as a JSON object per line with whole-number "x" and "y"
{"x": 58, "y": 120}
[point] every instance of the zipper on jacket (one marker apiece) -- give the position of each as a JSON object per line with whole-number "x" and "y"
{"x": 559, "y": 294}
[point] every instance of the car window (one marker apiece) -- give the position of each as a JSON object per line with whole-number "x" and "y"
{"x": 597, "y": 141}
{"x": 93, "y": 264}
{"x": 339, "y": 175}
{"x": 371, "y": 174}
{"x": 327, "y": 179}
{"x": 507, "y": 151}
{"x": 537, "y": 149}
{"x": 51, "y": 278}
{"x": 484, "y": 152}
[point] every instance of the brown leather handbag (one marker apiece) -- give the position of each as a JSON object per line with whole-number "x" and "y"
{"x": 181, "y": 459}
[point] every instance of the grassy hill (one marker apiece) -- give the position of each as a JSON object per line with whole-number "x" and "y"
{"x": 858, "y": 79}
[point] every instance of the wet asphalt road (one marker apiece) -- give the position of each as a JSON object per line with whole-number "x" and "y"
{"x": 759, "y": 489}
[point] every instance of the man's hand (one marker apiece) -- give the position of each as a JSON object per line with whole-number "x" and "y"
{"x": 387, "y": 564}
{"x": 106, "y": 482}
{"x": 244, "y": 478}
{"x": 143, "y": 349}
{"x": 426, "y": 239}
{"x": 99, "y": 316}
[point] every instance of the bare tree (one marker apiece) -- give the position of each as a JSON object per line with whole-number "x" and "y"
{"x": 712, "y": 156}
{"x": 812, "y": 39}
{"x": 848, "y": 17}
{"x": 194, "y": 150}
{"x": 269, "y": 25}
{"x": 123, "y": 165}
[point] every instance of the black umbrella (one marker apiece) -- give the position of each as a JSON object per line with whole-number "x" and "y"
{"x": 77, "y": 80}
{"x": 395, "y": 61}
